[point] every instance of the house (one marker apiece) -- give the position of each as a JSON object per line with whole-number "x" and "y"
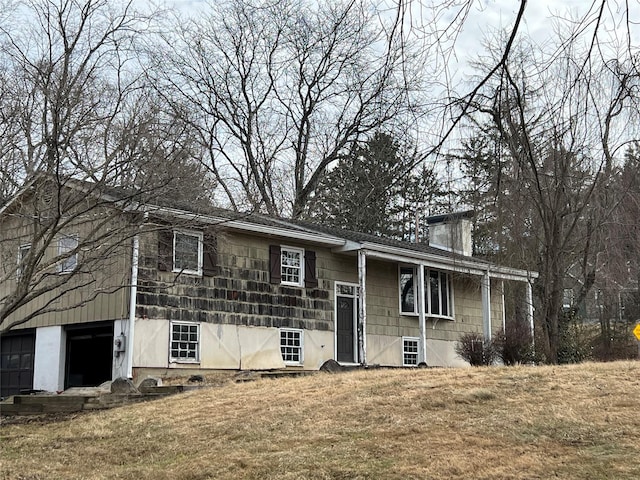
{"x": 162, "y": 290}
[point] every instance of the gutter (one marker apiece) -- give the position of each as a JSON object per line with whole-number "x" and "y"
{"x": 470, "y": 266}
{"x": 247, "y": 226}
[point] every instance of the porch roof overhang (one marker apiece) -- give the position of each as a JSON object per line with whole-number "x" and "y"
{"x": 446, "y": 261}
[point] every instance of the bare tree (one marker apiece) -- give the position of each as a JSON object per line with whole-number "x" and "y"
{"x": 560, "y": 122}
{"x": 76, "y": 119}
{"x": 281, "y": 90}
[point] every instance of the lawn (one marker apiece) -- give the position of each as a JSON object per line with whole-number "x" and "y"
{"x": 569, "y": 422}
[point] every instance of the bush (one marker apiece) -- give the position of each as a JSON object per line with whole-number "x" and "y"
{"x": 514, "y": 345}
{"x": 575, "y": 339}
{"x": 473, "y": 348}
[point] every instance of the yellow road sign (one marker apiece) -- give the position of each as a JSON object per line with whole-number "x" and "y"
{"x": 636, "y": 331}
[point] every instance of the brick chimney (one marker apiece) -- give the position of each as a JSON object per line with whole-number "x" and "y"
{"x": 451, "y": 232}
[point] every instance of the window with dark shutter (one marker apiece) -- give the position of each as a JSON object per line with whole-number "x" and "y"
{"x": 310, "y": 277}
{"x": 275, "y": 273}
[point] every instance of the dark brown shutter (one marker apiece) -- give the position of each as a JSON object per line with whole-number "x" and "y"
{"x": 209, "y": 252}
{"x": 165, "y": 250}
{"x": 275, "y": 272}
{"x": 310, "y": 278}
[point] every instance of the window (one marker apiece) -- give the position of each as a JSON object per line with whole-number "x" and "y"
{"x": 23, "y": 251}
{"x": 437, "y": 297}
{"x": 187, "y": 252}
{"x": 409, "y": 351}
{"x": 185, "y": 339}
{"x": 437, "y": 292}
{"x": 408, "y": 290}
{"x": 291, "y": 265}
{"x": 66, "y": 250}
{"x": 291, "y": 345}
{"x": 567, "y": 298}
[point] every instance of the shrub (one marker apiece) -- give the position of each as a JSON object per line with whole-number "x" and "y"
{"x": 575, "y": 339}
{"x": 473, "y": 348}
{"x": 514, "y": 345}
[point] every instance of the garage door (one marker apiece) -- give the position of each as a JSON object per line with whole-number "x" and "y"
{"x": 17, "y": 351}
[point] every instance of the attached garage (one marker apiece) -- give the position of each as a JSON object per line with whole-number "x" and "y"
{"x": 17, "y": 351}
{"x": 89, "y": 354}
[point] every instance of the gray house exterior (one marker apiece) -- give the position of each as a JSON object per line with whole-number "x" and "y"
{"x": 218, "y": 290}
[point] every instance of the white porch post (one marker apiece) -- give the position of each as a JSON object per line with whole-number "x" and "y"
{"x": 529, "y": 305}
{"x": 422, "y": 319}
{"x": 486, "y": 306}
{"x": 504, "y": 313}
{"x": 362, "y": 307}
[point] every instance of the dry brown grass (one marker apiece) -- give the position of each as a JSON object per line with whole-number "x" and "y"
{"x": 574, "y": 422}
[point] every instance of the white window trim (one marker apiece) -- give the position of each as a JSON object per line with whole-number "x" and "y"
{"x": 61, "y": 251}
{"x": 200, "y": 252}
{"x": 301, "y": 333}
{"x": 415, "y": 289}
{"x": 300, "y": 251}
{"x": 417, "y": 353}
{"x": 173, "y": 359}
{"x": 427, "y": 292}
{"x": 22, "y": 247}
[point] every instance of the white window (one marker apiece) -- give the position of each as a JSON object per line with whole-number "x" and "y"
{"x": 408, "y": 287}
{"x": 409, "y": 351}
{"x": 291, "y": 345}
{"x": 567, "y": 298}
{"x": 67, "y": 250}
{"x": 437, "y": 292}
{"x": 437, "y": 298}
{"x": 291, "y": 266}
{"x": 23, "y": 251}
{"x": 185, "y": 342}
{"x": 187, "y": 252}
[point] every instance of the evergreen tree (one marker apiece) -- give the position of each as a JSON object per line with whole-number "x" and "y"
{"x": 374, "y": 190}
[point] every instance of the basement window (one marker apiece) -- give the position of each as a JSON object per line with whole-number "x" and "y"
{"x": 410, "y": 351}
{"x": 291, "y": 346}
{"x": 185, "y": 342}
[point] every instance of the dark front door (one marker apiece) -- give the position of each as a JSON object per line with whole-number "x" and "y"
{"x": 89, "y": 356}
{"x": 17, "y": 351}
{"x": 345, "y": 335}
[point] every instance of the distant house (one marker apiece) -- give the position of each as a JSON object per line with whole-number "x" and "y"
{"x": 218, "y": 290}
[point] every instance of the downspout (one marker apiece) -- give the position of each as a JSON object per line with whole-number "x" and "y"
{"x": 362, "y": 307}
{"x": 132, "y": 303}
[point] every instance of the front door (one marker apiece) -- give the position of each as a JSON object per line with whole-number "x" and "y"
{"x": 346, "y": 336}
